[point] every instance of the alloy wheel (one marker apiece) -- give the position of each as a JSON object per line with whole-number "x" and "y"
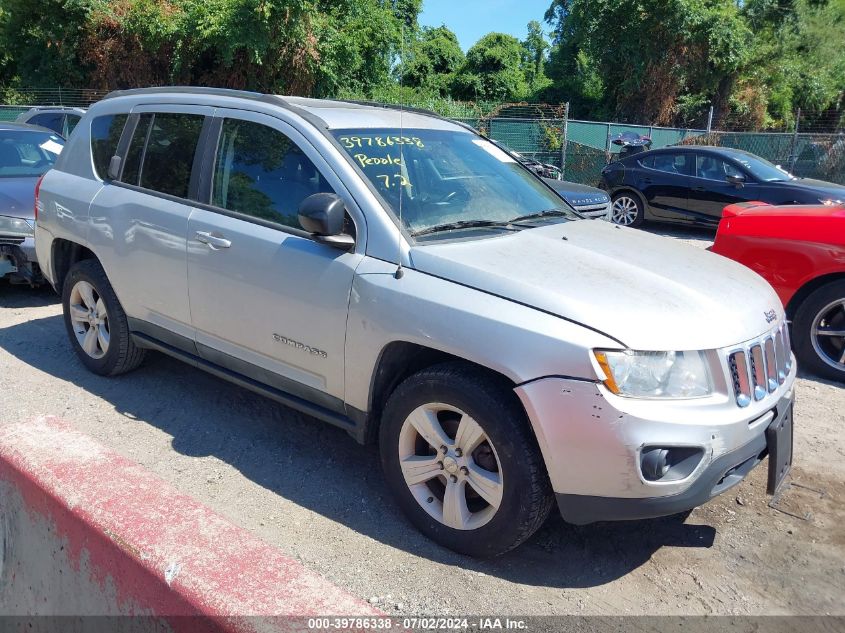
{"x": 828, "y": 334}
{"x": 89, "y": 319}
{"x": 450, "y": 466}
{"x": 624, "y": 211}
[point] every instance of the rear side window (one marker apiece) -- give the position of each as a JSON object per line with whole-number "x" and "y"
{"x": 262, "y": 173}
{"x": 105, "y": 134}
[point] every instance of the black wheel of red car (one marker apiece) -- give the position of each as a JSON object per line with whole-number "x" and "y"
{"x": 818, "y": 331}
{"x": 627, "y": 209}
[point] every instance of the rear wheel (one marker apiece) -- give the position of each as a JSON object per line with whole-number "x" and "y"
{"x": 96, "y": 323}
{"x": 819, "y": 331}
{"x": 460, "y": 459}
{"x": 626, "y": 210}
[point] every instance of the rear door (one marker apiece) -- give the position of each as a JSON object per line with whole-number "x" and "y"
{"x": 711, "y": 192}
{"x": 268, "y": 301}
{"x": 139, "y": 222}
{"x": 664, "y": 182}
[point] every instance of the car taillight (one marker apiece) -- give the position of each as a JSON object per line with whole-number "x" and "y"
{"x": 37, "y": 190}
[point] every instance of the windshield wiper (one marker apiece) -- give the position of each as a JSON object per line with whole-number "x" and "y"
{"x": 462, "y": 224}
{"x": 548, "y": 213}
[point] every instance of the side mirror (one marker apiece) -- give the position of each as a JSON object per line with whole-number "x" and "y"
{"x": 735, "y": 180}
{"x": 322, "y": 215}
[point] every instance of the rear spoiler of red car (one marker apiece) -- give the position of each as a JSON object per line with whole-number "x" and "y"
{"x": 733, "y": 210}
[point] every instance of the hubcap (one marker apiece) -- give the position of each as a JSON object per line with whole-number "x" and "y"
{"x": 460, "y": 486}
{"x": 624, "y": 211}
{"x": 89, "y": 319}
{"x": 828, "y": 334}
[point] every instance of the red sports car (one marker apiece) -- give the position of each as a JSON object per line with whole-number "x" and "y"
{"x": 800, "y": 251}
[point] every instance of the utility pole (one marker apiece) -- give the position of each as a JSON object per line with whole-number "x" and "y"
{"x": 793, "y": 152}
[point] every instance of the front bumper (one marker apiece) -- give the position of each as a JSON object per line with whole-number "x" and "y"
{"x": 721, "y": 474}
{"x": 592, "y": 442}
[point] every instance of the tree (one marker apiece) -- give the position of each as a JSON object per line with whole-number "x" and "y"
{"x": 534, "y": 57}
{"x": 40, "y": 42}
{"x": 649, "y": 53}
{"x": 432, "y": 62}
{"x": 493, "y": 70}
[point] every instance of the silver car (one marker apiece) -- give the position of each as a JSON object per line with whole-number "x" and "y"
{"x": 399, "y": 276}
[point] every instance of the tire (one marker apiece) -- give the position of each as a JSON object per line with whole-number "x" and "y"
{"x": 454, "y": 396}
{"x": 111, "y": 351}
{"x": 823, "y": 310}
{"x": 626, "y": 209}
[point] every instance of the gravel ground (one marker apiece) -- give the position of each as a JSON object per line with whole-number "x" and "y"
{"x": 312, "y": 491}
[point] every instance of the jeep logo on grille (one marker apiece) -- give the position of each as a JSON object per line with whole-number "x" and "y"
{"x": 771, "y": 315}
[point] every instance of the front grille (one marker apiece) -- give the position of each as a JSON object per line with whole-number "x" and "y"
{"x": 761, "y": 367}
{"x": 8, "y": 239}
{"x": 591, "y": 208}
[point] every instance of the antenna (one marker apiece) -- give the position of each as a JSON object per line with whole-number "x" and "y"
{"x": 399, "y": 272}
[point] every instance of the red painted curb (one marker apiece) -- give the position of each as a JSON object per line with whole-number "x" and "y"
{"x": 143, "y": 547}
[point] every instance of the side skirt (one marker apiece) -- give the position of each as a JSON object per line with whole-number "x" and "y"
{"x": 354, "y": 424}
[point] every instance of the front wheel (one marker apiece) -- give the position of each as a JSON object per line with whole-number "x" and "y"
{"x": 626, "y": 210}
{"x": 460, "y": 458}
{"x": 819, "y": 331}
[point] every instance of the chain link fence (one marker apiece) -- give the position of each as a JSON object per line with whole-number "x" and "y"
{"x": 579, "y": 149}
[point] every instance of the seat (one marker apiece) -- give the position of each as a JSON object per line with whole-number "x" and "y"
{"x": 9, "y": 156}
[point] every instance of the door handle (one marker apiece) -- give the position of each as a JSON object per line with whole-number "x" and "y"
{"x": 699, "y": 189}
{"x": 214, "y": 241}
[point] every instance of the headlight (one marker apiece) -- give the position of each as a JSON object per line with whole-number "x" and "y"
{"x": 655, "y": 374}
{"x": 829, "y": 202}
{"x": 15, "y": 227}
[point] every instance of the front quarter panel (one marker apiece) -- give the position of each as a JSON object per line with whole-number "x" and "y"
{"x": 517, "y": 341}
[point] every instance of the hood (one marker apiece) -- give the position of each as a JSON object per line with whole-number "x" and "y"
{"x": 577, "y": 194}
{"x": 648, "y": 292}
{"x": 17, "y": 197}
{"x": 821, "y": 186}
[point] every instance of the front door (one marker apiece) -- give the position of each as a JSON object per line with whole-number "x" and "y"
{"x": 266, "y": 300}
{"x": 711, "y": 192}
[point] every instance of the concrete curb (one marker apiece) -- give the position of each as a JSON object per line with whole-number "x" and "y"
{"x": 85, "y": 531}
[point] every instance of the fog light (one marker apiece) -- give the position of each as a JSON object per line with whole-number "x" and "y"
{"x": 669, "y": 463}
{"x": 654, "y": 463}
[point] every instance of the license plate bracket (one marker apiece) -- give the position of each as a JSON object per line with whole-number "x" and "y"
{"x": 779, "y": 437}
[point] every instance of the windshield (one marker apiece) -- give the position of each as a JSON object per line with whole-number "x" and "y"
{"x": 762, "y": 169}
{"x": 447, "y": 177}
{"x": 27, "y": 154}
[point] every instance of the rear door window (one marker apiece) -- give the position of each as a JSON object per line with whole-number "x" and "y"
{"x": 132, "y": 163}
{"x": 161, "y": 153}
{"x": 53, "y": 121}
{"x": 105, "y": 134}
{"x": 169, "y": 154}
{"x": 668, "y": 163}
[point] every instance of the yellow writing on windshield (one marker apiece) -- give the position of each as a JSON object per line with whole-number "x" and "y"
{"x": 369, "y": 161}
{"x": 398, "y": 180}
{"x": 352, "y": 142}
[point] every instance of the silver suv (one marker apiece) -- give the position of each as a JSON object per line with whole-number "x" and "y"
{"x": 399, "y": 276}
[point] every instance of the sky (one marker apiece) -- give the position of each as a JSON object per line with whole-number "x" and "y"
{"x": 472, "y": 19}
